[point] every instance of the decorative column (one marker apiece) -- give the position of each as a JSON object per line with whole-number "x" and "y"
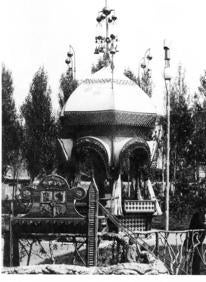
{"x": 92, "y": 225}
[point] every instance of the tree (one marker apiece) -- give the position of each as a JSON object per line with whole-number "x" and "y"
{"x": 11, "y": 128}
{"x": 181, "y": 127}
{"x": 102, "y": 62}
{"x": 67, "y": 86}
{"x": 40, "y": 128}
{"x": 144, "y": 81}
{"x": 202, "y": 88}
{"x": 128, "y": 73}
{"x": 187, "y": 150}
{"x": 198, "y": 147}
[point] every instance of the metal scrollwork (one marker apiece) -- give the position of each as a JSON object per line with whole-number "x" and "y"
{"x": 24, "y": 200}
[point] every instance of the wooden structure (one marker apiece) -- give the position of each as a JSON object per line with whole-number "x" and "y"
{"x": 52, "y": 210}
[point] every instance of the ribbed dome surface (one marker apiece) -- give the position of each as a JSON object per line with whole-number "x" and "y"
{"x": 96, "y": 102}
{"x": 96, "y": 94}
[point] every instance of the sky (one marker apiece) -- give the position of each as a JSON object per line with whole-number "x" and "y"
{"x": 38, "y": 33}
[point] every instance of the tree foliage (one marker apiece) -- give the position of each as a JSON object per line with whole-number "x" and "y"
{"x": 202, "y": 88}
{"x": 102, "y": 62}
{"x": 182, "y": 202}
{"x": 11, "y": 128}
{"x": 144, "y": 81}
{"x": 198, "y": 140}
{"x": 181, "y": 126}
{"x": 40, "y": 128}
{"x": 67, "y": 86}
{"x": 128, "y": 73}
{"x": 198, "y": 144}
{"x": 187, "y": 150}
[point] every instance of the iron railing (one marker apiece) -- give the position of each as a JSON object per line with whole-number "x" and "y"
{"x": 180, "y": 251}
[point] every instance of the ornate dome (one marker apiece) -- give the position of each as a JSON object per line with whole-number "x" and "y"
{"x": 95, "y": 102}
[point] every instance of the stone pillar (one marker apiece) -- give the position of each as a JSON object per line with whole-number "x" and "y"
{"x": 92, "y": 225}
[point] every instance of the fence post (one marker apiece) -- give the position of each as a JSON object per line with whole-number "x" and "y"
{"x": 13, "y": 245}
{"x": 10, "y": 241}
{"x": 157, "y": 243}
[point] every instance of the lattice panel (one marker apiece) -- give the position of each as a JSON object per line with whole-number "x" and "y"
{"x": 134, "y": 223}
{"x": 133, "y": 206}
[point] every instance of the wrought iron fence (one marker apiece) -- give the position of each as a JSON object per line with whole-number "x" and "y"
{"x": 183, "y": 252}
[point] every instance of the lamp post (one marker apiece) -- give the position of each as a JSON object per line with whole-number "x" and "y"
{"x": 144, "y": 65}
{"x": 71, "y": 62}
{"x": 144, "y": 62}
{"x": 167, "y": 79}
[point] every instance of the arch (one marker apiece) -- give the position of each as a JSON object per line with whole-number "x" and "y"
{"x": 133, "y": 145}
{"x": 53, "y": 181}
{"x": 95, "y": 145}
{"x": 135, "y": 153}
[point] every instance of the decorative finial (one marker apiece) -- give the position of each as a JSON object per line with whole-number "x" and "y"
{"x": 71, "y": 62}
{"x": 106, "y": 45}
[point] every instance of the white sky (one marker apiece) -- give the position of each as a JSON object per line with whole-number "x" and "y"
{"x": 38, "y": 32}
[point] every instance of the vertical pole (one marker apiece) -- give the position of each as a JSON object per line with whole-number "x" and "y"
{"x": 6, "y": 251}
{"x": 112, "y": 67}
{"x": 168, "y": 161}
{"x": 73, "y": 61}
{"x": 163, "y": 171}
{"x": 167, "y": 79}
{"x": 11, "y": 242}
{"x": 107, "y": 31}
{"x": 157, "y": 244}
{"x": 74, "y": 65}
{"x": 11, "y": 247}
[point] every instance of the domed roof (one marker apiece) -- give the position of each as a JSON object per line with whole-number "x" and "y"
{"x": 95, "y": 95}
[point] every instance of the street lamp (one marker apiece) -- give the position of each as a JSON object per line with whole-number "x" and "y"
{"x": 167, "y": 79}
{"x": 71, "y": 62}
{"x": 145, "y": 66}
{"x": 144, "y": 62}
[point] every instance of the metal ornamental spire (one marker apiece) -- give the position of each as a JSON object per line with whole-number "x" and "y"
{"x": 106, "y": 45}
{"x": 71, "y": 62}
